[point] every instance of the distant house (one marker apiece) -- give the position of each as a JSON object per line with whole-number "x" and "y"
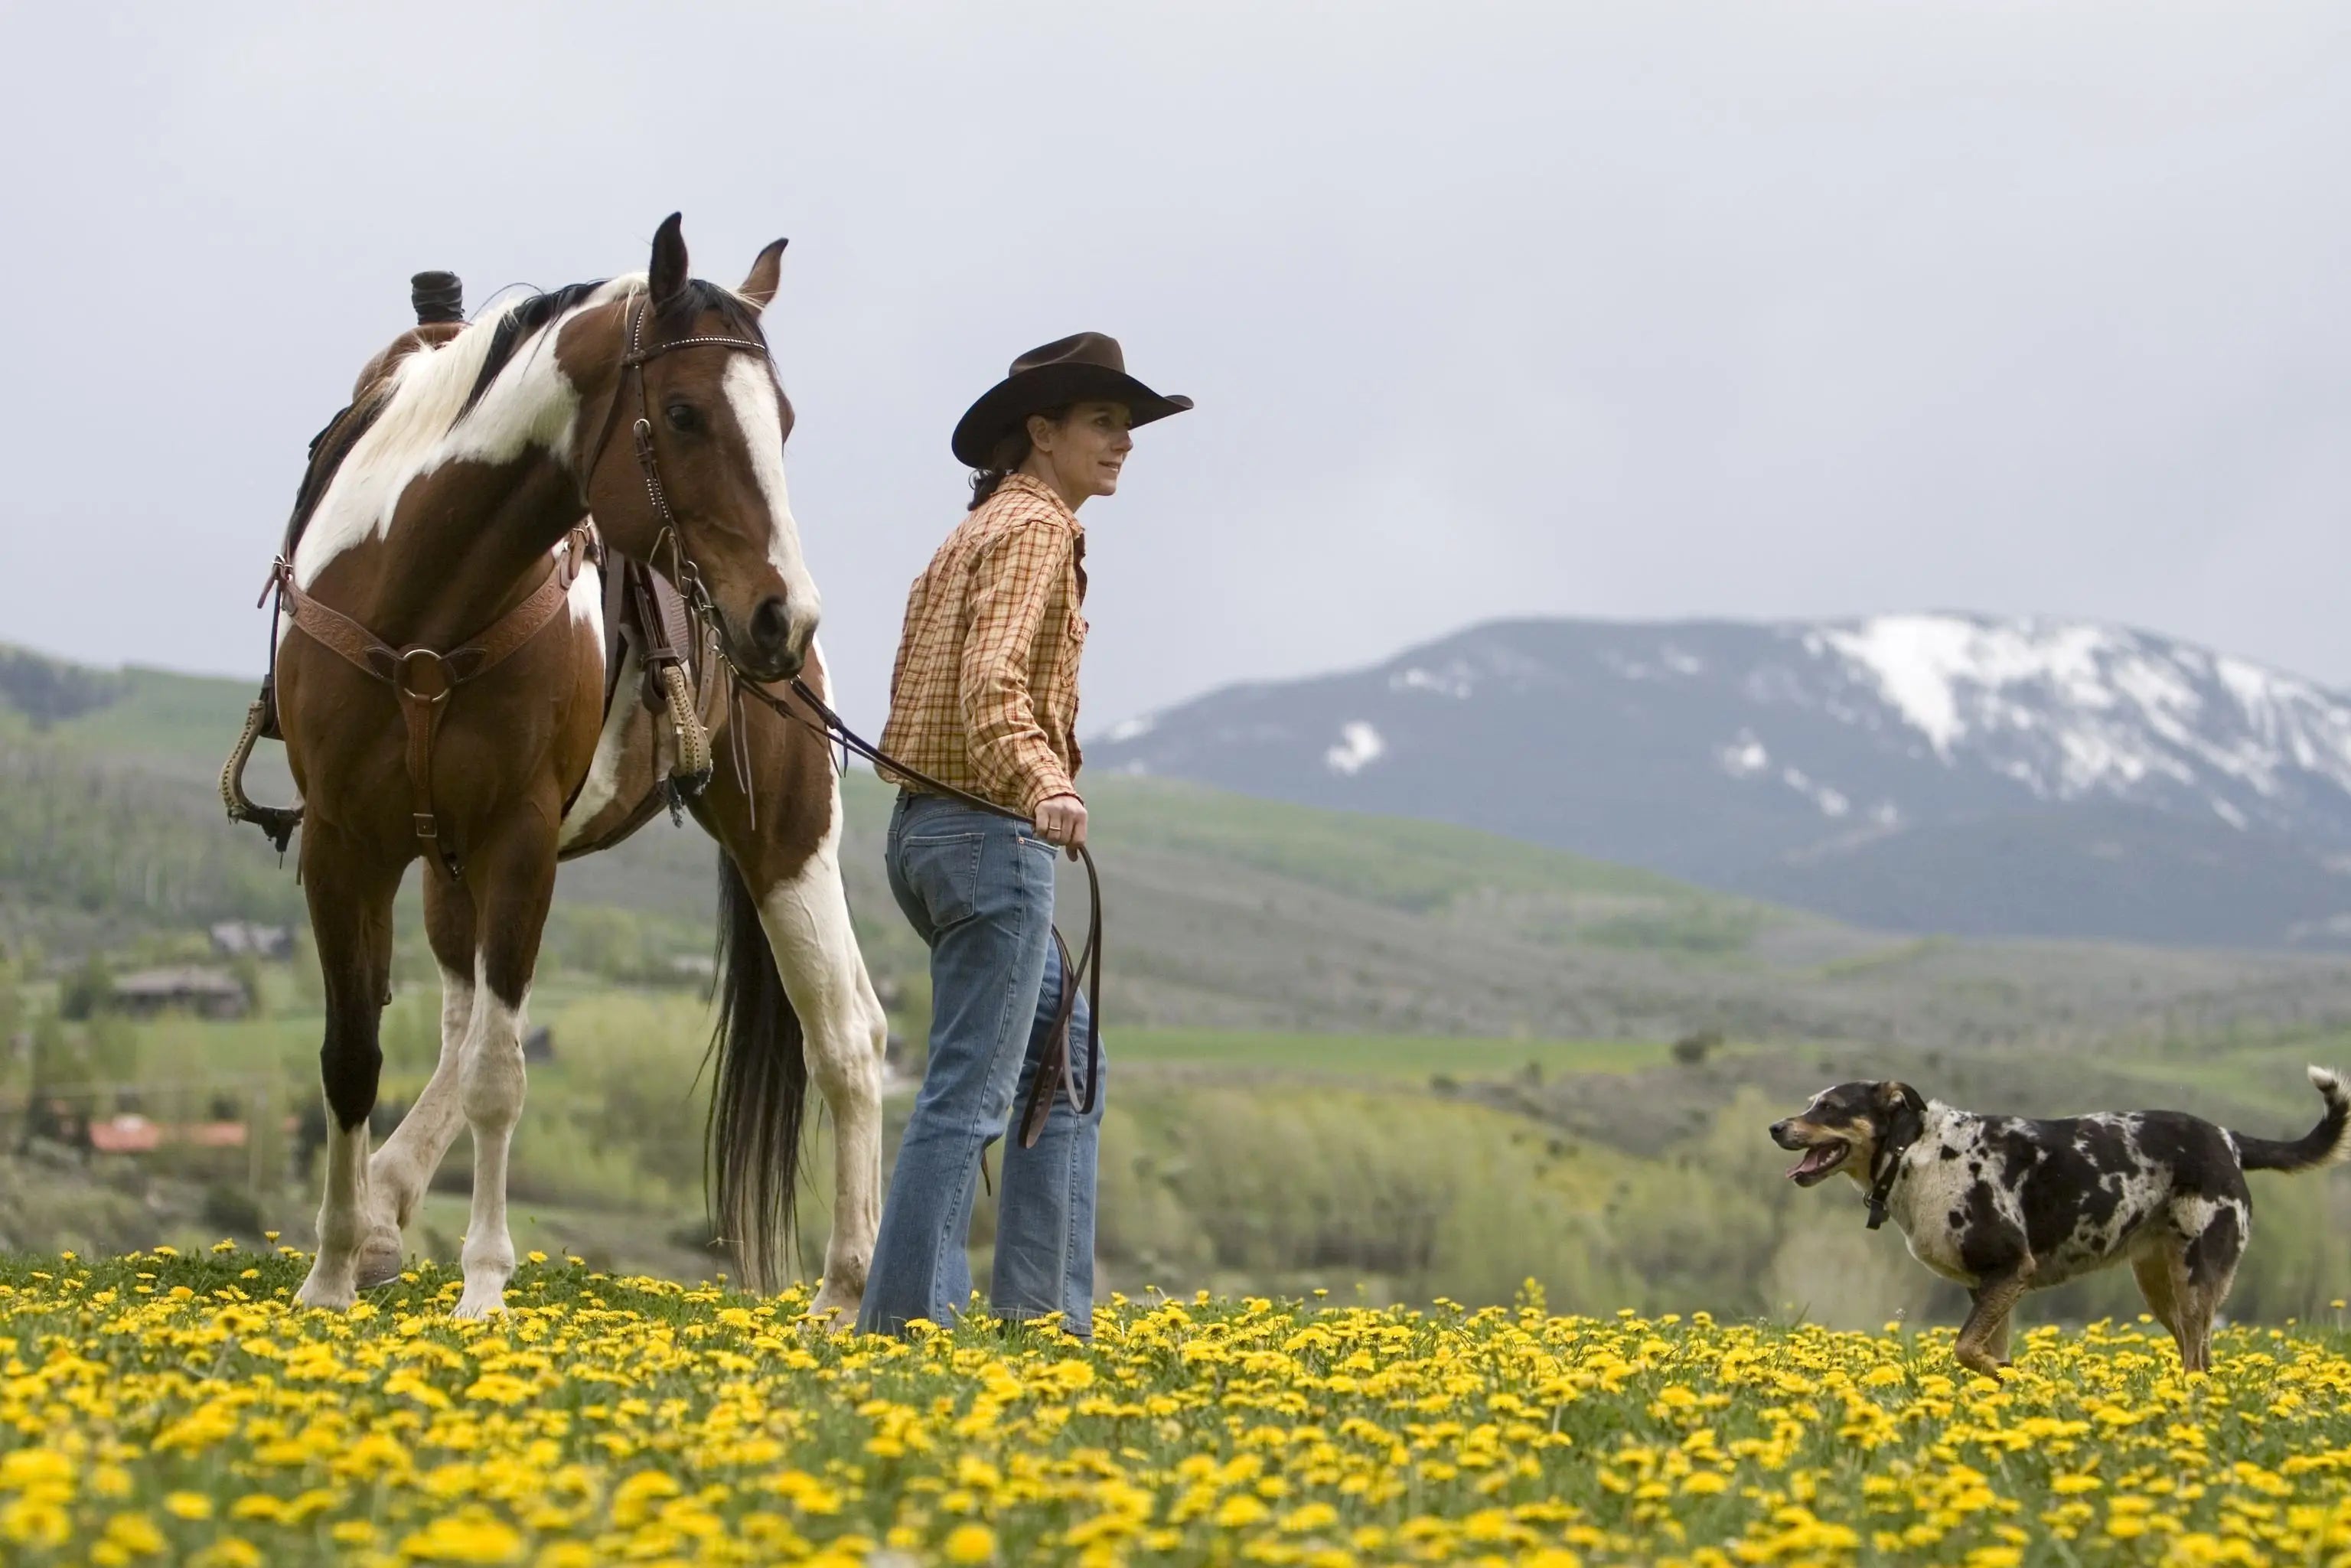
{"x": 131, "y": 1134}
{"x": 207, "y": 993}
{"x": 246, "y": 938}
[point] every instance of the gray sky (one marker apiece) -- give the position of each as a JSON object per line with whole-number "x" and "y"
{"x": 1638, "y": 311}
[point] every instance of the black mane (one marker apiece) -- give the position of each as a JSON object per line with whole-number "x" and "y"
{"x": 740, "y": 316}
{"x": 518, "y": 324}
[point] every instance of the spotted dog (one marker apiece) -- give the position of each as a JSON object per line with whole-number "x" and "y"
{"x": 2003, "y": 1204}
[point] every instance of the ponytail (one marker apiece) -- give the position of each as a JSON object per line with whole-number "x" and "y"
{"x": 1005, "y": 458}
{"x": 984, "y": 482}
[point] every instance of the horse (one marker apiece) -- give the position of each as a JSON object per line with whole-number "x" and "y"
{"x": 441, "y": 687}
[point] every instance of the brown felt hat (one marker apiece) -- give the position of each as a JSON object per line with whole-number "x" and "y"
{"x": 1085, "y": 367}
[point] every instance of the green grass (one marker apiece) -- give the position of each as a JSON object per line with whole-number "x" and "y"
{"x": 161, "y": 713}
{"x": 1375, "y": 1056}
{"x": 1882, "y": 959}
{"x": 1394, "y": 861}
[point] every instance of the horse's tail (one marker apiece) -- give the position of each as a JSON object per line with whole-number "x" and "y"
{"x": 751, "y": 1149}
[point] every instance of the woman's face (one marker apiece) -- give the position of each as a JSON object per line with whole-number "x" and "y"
{"x": 1082, "y": 452}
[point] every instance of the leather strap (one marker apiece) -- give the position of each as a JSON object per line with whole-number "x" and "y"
{"x": 423, "y": 679}
{"x": 1881, "y": 1186}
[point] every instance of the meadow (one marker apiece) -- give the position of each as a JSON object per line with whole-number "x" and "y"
{"x": 1436, "y": 1207}
{"x": 173, "y": 1407}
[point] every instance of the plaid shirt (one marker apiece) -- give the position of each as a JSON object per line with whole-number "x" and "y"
{"x": 984, "y": 694}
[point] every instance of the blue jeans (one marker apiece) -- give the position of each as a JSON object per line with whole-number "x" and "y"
{"x": 980, "y": 891}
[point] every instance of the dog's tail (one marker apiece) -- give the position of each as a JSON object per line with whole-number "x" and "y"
{"x": 2328, "y": 1141}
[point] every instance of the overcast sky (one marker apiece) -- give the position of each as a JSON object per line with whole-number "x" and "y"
{"x": 1637, "y": 311}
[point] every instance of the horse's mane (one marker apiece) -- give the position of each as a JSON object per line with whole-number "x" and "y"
{"x": 515, "y": 326}
{"x": 508, "y": 330}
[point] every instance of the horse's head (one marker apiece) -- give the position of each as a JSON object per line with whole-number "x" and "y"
{"x": 692, "y": 454}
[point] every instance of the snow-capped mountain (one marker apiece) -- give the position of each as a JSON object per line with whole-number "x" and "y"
{"x": 1927, "y": 772}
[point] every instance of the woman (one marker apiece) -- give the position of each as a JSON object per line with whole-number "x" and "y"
{"x": 985, "y": 698}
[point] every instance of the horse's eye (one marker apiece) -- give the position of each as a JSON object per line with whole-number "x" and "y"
{"x": 684, "y": 416}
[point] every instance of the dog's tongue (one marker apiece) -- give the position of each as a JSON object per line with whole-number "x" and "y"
{"x": 1815, "y": 1158}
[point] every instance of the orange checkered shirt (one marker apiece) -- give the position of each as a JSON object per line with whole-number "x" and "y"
{"x": 984, "y": 694}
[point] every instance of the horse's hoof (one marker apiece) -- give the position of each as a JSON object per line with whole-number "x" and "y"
{"x": 480, "y": 1302}
{"x": 832, "y": 1320}
{"x": 379, "y": 1263}
{"x": 836, "y": 1312}
{"x": 315, "y": 1292}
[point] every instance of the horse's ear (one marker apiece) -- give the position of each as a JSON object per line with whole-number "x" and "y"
{"x": 759, "y": 285}
{"x": 665, "y": 279}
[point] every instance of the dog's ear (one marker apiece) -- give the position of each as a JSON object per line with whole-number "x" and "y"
{"x": 1901, "y": 1110}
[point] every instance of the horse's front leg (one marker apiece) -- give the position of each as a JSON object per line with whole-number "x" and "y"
{"x": 351, "y": 894}
{"x": 402, "y": 1168}
{"x": 511, "y": 874}
{"x": 806, "y": 916}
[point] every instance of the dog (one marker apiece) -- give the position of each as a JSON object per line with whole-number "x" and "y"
{"x": 2003, "y": 1204}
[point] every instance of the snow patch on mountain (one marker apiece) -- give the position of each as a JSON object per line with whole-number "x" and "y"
{"x": 1455, "y": 681}
{"x": 1744, "y": 758}
{"x": 1359, "y": 747}
{"x": 2070, "y": 709}
{"x": 1132, "y": 728}
{"x": 1831, "y": 803}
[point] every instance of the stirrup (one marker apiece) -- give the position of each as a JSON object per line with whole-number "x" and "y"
{"x": 277, "y": 822}
{"x": 691, "y": 771}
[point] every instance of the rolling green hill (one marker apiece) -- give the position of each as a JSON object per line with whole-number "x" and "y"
{"x": 1222, "y": 911}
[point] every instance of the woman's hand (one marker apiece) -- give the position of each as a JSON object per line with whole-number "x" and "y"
{"x": 1062, "y": 822}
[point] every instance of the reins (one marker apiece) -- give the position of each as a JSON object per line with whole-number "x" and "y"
{"x": 1055, "y": 1071}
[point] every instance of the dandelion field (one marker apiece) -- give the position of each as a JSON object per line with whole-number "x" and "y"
{"x": 169, "y": 1408}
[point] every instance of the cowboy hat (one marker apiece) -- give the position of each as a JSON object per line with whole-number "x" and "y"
{"x": 1084, "y": 368}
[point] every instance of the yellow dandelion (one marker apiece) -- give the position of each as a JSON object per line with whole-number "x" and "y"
{"x": 968, "y": 1544}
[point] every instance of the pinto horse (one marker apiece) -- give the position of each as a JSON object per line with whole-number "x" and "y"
{"x": 440, "y": 690}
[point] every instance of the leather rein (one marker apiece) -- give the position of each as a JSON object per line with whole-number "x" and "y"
{"x": 1055, "y": 1072}
{"x": 424, "y": 678}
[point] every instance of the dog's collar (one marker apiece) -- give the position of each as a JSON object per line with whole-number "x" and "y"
{"x": 1881, "y": 1185}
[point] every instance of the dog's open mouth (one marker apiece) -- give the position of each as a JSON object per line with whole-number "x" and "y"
{"x": 1818, "y": 1162}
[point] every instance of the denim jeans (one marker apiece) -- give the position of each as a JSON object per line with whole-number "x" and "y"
{"x": 980, "y": 891}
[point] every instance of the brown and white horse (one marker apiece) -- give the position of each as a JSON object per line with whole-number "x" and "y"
{"x": 438, "y": 508}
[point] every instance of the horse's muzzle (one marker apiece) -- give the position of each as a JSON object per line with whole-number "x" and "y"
{"x": 771, "y": 648}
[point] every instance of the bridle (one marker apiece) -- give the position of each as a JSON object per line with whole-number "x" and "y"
{"x": 683, "y": 573}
